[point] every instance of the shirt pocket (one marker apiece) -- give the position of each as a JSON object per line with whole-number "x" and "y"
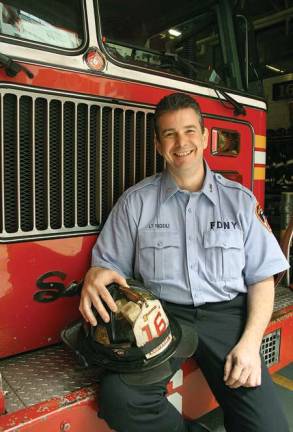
{"x": 224, "y": 254}
{"x": 158, "y": 254}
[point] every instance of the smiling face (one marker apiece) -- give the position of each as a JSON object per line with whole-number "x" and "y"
{"x": 181, "y": 142}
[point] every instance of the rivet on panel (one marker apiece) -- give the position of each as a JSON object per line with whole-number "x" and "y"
{"x": 65, "y": 426}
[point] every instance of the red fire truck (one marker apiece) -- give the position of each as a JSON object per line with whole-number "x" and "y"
{"x": 79, "y": 80}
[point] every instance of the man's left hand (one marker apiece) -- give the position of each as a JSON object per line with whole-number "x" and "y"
{"x": 243, "y": 366}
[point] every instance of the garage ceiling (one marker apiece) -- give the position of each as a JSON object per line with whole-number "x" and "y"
{"x": 272, "y": 21}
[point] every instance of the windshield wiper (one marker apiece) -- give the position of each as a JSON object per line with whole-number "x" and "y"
{"x": 12, "y": 68}
{"x": 192, "y": 66}
{"x": 238, "y": 107}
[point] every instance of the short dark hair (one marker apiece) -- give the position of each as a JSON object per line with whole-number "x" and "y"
{"x": 174, "y": 102}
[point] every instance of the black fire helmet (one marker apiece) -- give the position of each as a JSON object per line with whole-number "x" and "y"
{"x": 139, "y": 340}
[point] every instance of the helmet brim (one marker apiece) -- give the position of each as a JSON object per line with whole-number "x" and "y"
{"x": 147, "y": 371}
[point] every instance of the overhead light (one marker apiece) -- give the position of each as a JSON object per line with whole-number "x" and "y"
{"x": 174, "y": 32}
{"x": 273, "y": 68}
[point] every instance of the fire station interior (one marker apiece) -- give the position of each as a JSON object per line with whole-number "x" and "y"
{"x": 273, "y": 24}
{"x": 267, "y": 72}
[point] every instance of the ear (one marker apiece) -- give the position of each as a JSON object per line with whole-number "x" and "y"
{"x": 205, "y": 138}
{"x": 157, "y": 145}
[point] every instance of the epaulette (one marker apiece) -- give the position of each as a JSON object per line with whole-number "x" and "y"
{"x": 148, "y": 181}
{"x": 232, "y": 184}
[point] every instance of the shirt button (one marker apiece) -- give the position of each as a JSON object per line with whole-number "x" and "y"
{"x": 189, "y": 238}
{"x": 160, "y": 243}
{"x": 189, "y": 210}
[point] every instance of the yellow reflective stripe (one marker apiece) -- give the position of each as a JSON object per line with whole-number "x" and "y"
{"x": 283, "y": 381}
{"x": 259, "y": 173}
{"x": 260, "y": 141}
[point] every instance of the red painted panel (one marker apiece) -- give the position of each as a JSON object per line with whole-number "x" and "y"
{"x": 75, "y": 412}
{"x": 285, "y": 324}
{"x": 2, "y": 402}
{"x": 26, "y": 323}
{"x": 193, "y": 382}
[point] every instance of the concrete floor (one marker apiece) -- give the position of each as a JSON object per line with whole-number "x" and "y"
{"x": 284, "y": 383}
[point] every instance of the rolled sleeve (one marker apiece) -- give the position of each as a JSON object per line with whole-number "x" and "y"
{"x": 115, "y": 246}
{"x": 263, "y": 255}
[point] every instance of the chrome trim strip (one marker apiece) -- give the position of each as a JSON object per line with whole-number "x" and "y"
{"x": 99, "y": 211}
{"x": 62, "y": 164}
{"x": 88, "y": 155}
{"x": 18, "y": 164}
{"x": 133, "y": 135}
{"x": 111, "y": 161}
{"x": 144, "y": 145}
{"x": 46, "y": 233}
{"x": 123, "y": 173}
{"x": 48, "y": 164}
{"x": 75, "y": 167}
{"x": 33, "y": 138}
{"x": 2, "y": 164}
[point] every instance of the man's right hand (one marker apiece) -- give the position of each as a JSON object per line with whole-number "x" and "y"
{"x": 94, "y": 292}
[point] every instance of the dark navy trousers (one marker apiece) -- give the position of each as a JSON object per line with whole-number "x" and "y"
{"x": 144, "y": 408}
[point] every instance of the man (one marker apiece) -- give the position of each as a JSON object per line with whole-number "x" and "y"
{"x": 202, "y": 245}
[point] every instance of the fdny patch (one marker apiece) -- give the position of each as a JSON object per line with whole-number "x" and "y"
{"x": 261, "y": 217}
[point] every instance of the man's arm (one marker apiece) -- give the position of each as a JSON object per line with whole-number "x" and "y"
{"x": 112, "y": 257}
{"x": 243, "y": 363}
{"x": 95, "y": 292}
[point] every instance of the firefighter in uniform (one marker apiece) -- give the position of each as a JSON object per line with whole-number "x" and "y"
{"x": 202, "y": 245}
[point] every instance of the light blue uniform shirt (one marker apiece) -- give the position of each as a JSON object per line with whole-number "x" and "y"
{"x": 189, "y": 247}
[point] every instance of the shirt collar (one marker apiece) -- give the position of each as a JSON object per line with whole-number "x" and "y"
{"x": 209, "y": 189}
{"x": 168, "y": 186}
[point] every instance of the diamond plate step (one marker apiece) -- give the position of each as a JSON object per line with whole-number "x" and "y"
{"x": 40, "y": 375}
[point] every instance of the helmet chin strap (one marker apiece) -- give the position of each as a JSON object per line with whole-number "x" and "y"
{"x": 131, "y": 294}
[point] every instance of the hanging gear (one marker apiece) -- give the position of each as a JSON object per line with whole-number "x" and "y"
{"x": 140, "y": 337}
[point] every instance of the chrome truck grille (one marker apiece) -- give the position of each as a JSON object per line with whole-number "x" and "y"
{"x": 66, "y": 159}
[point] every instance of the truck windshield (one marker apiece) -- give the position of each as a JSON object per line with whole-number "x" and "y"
{"x": 168, "y": 37}
{"x": 59, "y": 24}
